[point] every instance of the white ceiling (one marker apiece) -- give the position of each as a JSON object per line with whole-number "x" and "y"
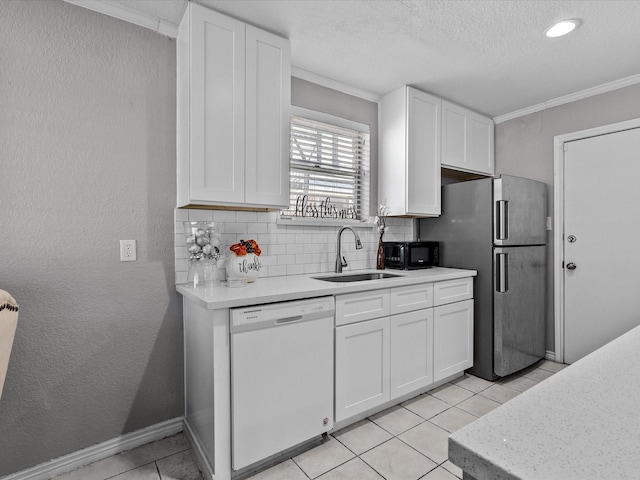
{"x": 489, "y": 55}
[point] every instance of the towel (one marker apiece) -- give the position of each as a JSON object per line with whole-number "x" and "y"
{"x": 8, "y": 324}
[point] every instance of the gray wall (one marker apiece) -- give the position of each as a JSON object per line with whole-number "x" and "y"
{"x": 322, "y": 99}
{"x": 87, "y": 157}
{"x": 524, "y": 147}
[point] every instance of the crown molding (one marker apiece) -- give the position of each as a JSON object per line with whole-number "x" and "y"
{"x": 334, "y": 84}
{"x": 572, "y": 97}
{"x": 121, "y": 12}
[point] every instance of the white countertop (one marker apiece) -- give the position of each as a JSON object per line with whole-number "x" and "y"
{"x": 293, "y": 287}
{"x": 581, "y": 423}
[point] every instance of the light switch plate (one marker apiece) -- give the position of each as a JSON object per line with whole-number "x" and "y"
{"x": 549, "y": 223}
{"x": 127, "y": 250}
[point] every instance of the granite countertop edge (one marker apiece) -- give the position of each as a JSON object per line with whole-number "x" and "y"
{"x": 295, "y": 287}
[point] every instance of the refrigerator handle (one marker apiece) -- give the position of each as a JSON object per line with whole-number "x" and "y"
{"x": 502, "y": 220}
{"x": 502, "y": 272}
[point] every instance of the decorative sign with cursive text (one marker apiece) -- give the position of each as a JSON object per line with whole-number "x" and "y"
{"x": 323, "y": 209}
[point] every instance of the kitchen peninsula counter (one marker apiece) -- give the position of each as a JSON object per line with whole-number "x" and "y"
{"x": 583, "y": 422}
{"x": 295, "y": 287}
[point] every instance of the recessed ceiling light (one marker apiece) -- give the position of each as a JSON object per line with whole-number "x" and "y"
{"x": 562, "y": 28}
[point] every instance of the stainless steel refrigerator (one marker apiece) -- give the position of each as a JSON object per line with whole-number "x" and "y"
{"x": 498, "y": 227}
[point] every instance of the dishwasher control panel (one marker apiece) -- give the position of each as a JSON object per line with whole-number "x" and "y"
{"x": 307, "y": 309}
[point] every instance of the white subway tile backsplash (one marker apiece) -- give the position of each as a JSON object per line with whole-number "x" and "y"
{"x": 238, "y": 228}
{"x": 248, "y": 217}
{"x": 277, "y": 271}
{"x": 224, "y": 216}
{"x": 277, "y": 250}
{"x": 200, "y": 215}
{"x": 288, "y": 249}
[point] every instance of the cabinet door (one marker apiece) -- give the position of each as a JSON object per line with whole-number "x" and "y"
{"x": 454, "y": 135}
{"x": 451, "y": 291}
{"x": 362, "y": 367}
{"x": 467, "y": 140}
{"x": 268, "y": 97}
{"x": 411, "y": 351}
{"x": 356, "y": 307}
{"x": 217, "y": 107}
{"x": 423, "y": 153}
{"x": 481, "y": 144}
{"x": 410, "y": 298}
{"x": 452, "y": 339}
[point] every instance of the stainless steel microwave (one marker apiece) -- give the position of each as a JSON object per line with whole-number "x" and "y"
{"x": 411, "y": 255}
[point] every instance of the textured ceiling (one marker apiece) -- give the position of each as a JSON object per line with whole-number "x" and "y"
{"x": 489, "y": 55}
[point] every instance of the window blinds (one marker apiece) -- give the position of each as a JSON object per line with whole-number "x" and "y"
{"x": 329, "y": 171}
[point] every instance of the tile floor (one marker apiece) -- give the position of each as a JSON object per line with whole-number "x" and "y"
{"x": 405, "y": 442}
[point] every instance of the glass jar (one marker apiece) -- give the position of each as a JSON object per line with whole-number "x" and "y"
{"x": 203, "y": 245}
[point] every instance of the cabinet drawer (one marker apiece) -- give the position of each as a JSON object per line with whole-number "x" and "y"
{"x": 410, "y": 298}
{"x": 356, "y": 307}
{"x": 452, "y": 291}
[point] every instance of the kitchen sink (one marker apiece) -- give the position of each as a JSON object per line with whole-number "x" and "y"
{"x": 358, "y": 277}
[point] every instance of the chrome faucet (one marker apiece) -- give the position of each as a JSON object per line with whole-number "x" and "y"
{"x": 340, "y": 260}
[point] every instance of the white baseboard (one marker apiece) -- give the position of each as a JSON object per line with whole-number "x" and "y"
{"x": 88, "y": 455}
{"x": 550, "y": 356}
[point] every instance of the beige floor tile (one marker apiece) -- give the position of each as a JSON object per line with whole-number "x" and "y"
{"x": 362, "y": 436}
{"x": 518, "y": 382}
{"x": 395, "y": 460}
{"x": 478, "y": 405}
{"x": 352, "y": 470}
{"x": 147, "y": 472}
{"x": 453, "y": 419}
{"x": 450, "y": 467}
{"x": 323, "y": 458}
{"x": 499, "y": 393}
{"x": 179, "y": 466}
{"x": 451, "y": 394}
{"x": 439, "y": 474}
{"x": 470, "y": 382}
{"x": 129, "y": 460}
{"x": 539, "y": 374}
{"x": 426, "y": 406}
{"x": 287, "y": 470}
{"x": 428, "y": 439}
{"x": 552, "y": 366}
{"x": 396, "y": 420}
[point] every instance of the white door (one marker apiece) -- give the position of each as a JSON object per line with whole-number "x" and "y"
{"x": 601, "y": 240}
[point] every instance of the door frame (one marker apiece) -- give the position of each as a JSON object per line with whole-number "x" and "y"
{"x": 558, "y": 223}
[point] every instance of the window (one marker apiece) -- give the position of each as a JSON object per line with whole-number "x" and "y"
{"x": 329, "y": 169}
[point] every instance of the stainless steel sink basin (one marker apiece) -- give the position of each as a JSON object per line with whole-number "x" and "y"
{"x": 358, "y": 277}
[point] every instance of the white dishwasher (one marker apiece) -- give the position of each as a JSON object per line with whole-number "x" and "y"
{"x": 281, "y": 376}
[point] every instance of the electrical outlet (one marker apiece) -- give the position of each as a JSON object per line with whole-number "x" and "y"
{"x": 127, "y": 250}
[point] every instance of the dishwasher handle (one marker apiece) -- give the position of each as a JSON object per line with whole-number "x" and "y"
{"x": 284, "y": 321}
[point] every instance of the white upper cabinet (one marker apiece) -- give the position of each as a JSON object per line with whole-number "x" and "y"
{"x": 409, "y": 156}
{"x": 233, "y": 100}
{"x": 467, "y": 140}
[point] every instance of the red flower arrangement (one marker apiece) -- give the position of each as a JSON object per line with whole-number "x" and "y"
{"x": 244, "y": 247}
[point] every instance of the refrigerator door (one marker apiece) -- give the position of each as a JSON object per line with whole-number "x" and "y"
{"x": 520, "y": 211}
{"x": 519, "y": 308}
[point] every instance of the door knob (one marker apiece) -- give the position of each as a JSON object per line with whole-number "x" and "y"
{"x": 571, "y": 266}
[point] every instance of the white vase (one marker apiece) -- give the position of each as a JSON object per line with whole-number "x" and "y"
{"x": 242, "y": 268}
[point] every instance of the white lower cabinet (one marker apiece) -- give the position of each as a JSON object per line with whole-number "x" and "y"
{"x": 453, "y": 338}
{"x": 411, "y": 355}
{"x": 390, "y": 343}
{"x": 362, "y": 366}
